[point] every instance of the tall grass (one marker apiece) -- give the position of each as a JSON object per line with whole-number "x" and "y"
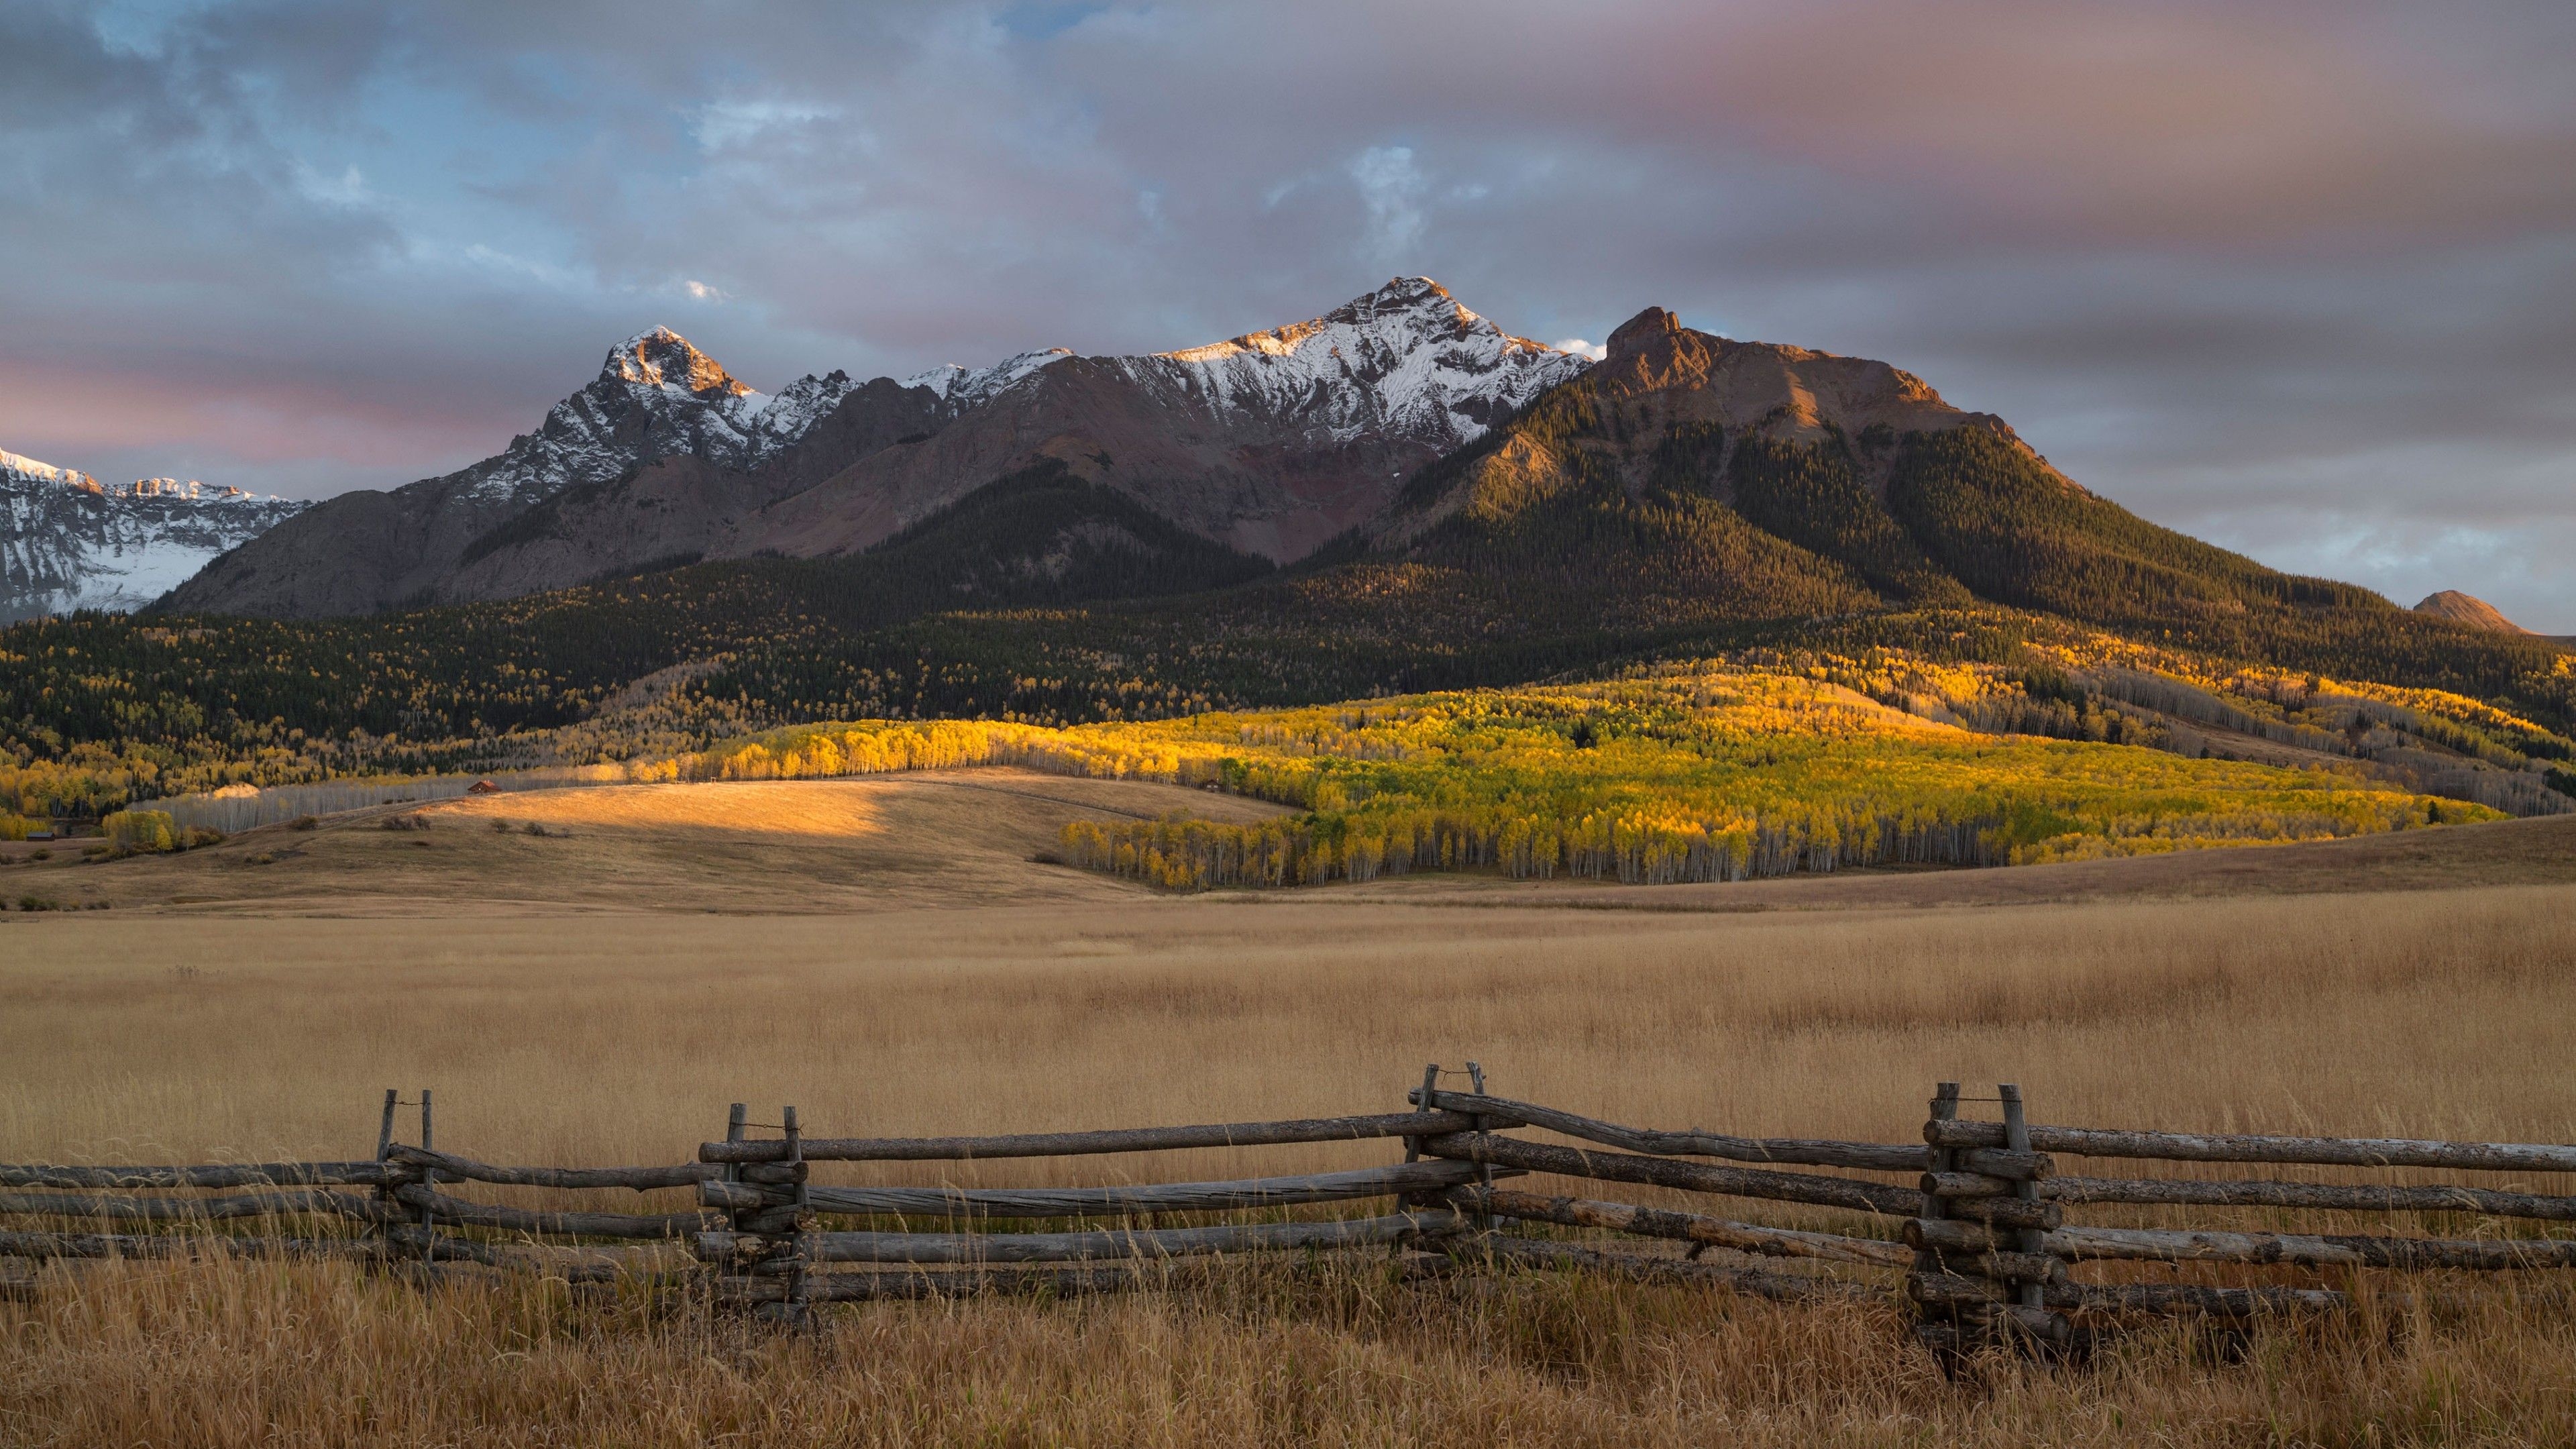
{"x": 1252, "y": 1354}
{"x": 603, "y": 1038}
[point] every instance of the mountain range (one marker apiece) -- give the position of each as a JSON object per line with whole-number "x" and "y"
{"x": 1776, "y": 480}
{"x": 68, "y": 541}
{"x": 1268, "y": 445}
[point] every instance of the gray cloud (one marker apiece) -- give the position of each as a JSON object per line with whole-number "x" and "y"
{"x": 2297, "y": 275}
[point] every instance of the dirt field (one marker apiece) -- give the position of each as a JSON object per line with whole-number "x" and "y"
{"x": 572, "y": 1000}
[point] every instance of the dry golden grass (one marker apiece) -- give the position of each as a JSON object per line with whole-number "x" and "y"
{"x": 620, "y": 1036}
{"x": 1252, "y": 1355}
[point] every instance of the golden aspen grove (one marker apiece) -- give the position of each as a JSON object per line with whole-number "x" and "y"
{"x": 1705, "y": 772}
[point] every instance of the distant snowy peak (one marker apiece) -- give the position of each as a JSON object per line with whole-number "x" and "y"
{"x": 1406, "y": 359}
{"x": 801, "y": 404}
{"x": 17, "y": 469}
{"x": 69, "y": 542}
{"x": 964, "y": 387}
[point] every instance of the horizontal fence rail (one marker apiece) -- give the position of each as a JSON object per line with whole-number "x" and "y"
{"x": 1500, "y": 1112}
{"x": 1087, "y": 1202}
{"x": 1075, "y": 1144}
{"x": 1075, "y": 1247}
{"x": 2318, "y": 1151}
{"x": 1969, "y": 1228}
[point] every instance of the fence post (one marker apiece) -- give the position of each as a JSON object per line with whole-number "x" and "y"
{"x": 1484, "y": 1171}
{"x": 384, "y": 1151}
{"x": 796, "y": 1310}
{"x": 2029, "y": 1293}
{"x": 1938, "y": 1328}
{"x": 428, "y": 1143}
{"x": 737, "y": 1218}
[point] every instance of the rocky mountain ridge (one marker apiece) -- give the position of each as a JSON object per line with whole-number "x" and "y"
{"x": 68, "y": 541}
{"x": 1268, "y": 444}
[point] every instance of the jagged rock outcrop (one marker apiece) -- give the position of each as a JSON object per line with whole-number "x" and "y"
{"x": 68, "y": 541}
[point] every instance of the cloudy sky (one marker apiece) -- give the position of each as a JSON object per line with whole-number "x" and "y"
{"x": 2295, "y": 275}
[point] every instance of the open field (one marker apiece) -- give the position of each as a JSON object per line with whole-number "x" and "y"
{"x": 565, "y": 1014}
{"x": 867, "y": 843}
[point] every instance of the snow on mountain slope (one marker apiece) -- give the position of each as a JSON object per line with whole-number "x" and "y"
{"x": 965, "y": 387}
{"x": 1272, "y": 443}
{"x": 1406, "y": 360}
{"x": 69, "y": 542}
{"x": 655, "y": 395}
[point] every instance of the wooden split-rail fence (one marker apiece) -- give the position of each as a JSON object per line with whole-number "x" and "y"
{"x": 1969, "y": 1225}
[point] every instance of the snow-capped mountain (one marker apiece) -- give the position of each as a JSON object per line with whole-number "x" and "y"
{"x": 655, "y": 395}
{"x": 68, "y": 541}
{"x": 1404, "y": 361}
{"x": 1270, "y": 444}
{"x": 962, "y": 387}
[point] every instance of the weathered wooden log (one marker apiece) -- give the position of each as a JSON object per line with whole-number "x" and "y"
{"x": 2340, "y": 1196}
{"x": 2298, "y": 1249}
{"x": 550, "y": 1224}
{"x": 726, "y": 1247}
{"x": 1842, "y": 1192}
{"x": 1686, "y": 1227}
{"x": 899, "y": 1284}
{"x": 2044, "y": 1324}
{"x": 1761, "y": 1282}
{"x": 2033, "y": 1267}
{"x": 2005, "y": 1212}
{"x": 1957, "y": 1289}
{"x": 179, "y": 1245}
{"x": 244, "y": 1174}
{"x": 575, "y": 1265}
{"x": 295, "y": 1202}
{"x": 1957, "y": 1185}
{"x": 1077, "y": 1144}
{"x": 2324, "y": 1151}
{"x": 1944, "y": 1235}
{"x": 641, "y": 1179}
{"x": 2005, "y": 1163}
{"x": 2313, "y": 1250}
{"x": 1076, "y": 1202}
{"x": 1788, "y": 1151}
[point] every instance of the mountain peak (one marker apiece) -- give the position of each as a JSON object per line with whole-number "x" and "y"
{"x": 664, "y": 358}
{"x": 1400, "y": 317}
{"x": 1400, "y": 294}
{"x": 1643, "y": 331}
{"x": 2470, "y": 610}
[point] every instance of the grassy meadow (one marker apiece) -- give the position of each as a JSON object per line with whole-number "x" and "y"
{"x": 619, "y": 1037}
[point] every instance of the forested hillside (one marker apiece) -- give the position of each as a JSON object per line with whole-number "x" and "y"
{"x": 1681, "y": 773}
